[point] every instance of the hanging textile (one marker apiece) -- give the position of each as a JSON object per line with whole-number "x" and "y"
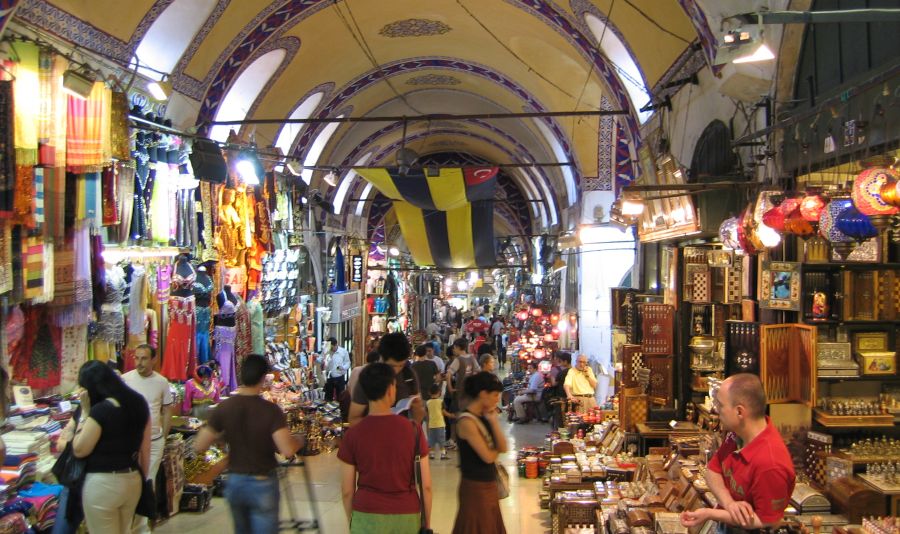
{"x": 53, "y": 108}
{"x": 39, "y": 195}
{"x": 89, "y": 197}
{"x": 26, "y": 113}
{"x": 48, "y": 290}
{"x": 6, "y": 274}
{"x": 137, "y": 301}
{"x": 54, "y": 202}
{"x": 120, "y": 143}
{"x": 125, "y": 177}
{"x": 33, "y": 265}
{"x": 15, "y": 330}
{"x": 98, "y": 273}
{"x": 109, "y": 200}
{"x": 88, "y": 131}
{"x": 73, "y": 295}
{"x": 73, "y": 354}
{"x": 7, "y": 149}
{"x": 36, "y": 360}
{"x": 160, "y": 217}
{"x": 446, "y": 220}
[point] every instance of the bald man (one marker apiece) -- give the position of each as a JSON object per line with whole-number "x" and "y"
{"x": 751, "y": 475}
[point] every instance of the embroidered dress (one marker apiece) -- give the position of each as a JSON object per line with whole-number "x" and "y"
{"x": 224, "y": 337}
{"x": 112, "y": 318}
{"x": 180, "y": 352}
{"x": 198, "y": 398}
{"x": 257, "y": 327}
{"x": 204, "y": 316}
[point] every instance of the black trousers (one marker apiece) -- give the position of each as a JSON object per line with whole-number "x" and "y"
{"x": 334, "y": 386}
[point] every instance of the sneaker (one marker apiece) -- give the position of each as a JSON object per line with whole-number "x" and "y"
{"x": 431, "y": 456}
{"x": 450, "y": 444}
{"x": 444, "y": 456}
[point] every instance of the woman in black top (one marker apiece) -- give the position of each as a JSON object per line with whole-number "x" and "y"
{"x": 115, "y": 440}
{"x": 479, "y": 505}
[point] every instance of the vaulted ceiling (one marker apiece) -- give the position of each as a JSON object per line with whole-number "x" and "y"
{"x": 404, "y": 57}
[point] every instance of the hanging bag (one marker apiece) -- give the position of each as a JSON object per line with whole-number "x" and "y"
{"x": 69, "y": 470}
{"x": 146, "y": 505}
{"x": 502, "y": 473}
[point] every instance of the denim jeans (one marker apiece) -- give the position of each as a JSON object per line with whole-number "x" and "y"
{"x": 62, "y": 524}
{"x": 254, "y": 503}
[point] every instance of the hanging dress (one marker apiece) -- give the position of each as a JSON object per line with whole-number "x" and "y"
{"x": 224, "y": 337}
{"x": 203, "y": 293}
{"x": 180, "y": 355}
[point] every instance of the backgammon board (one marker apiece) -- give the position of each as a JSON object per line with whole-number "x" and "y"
{"x": 741, "y": 347}
{"x": 658, "y": 326}
{"x": 788, "y": 363}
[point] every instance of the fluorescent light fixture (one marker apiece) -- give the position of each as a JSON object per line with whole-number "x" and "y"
{"x": 160, "y": 90}
{"x": 330, "y": 178}
{"x": 394, "y": 251}
{"x": 473, "y": 277}
{"x": 462, "y": 285}
{"x": 247, "y": 171}
{"x": 78, "y": 83}
{"x": 759, "y": 52}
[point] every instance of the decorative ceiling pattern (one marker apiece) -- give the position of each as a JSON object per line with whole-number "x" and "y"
{"x": 414, "y": 28}
{"x": 533, "y": 55}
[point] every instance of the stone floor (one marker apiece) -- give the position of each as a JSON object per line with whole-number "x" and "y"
{"x": 521, "y": 512}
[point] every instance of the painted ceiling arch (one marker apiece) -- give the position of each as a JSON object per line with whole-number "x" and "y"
{"x": 519, "y": 54}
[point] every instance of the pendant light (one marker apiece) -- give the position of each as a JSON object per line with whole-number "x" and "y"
{"x": 866, "y": 192}
{"x": 840, "y": 242}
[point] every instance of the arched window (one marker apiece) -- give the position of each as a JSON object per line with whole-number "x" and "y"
{"x": 170, "y": 35}
{"x": 289, "y": 132}
{"x": 345, "y": 184}
{"x": 312, "y": 157}
{"x": 560, "y": 155}
{"x": 618, "y": 54}
{"x": 361, "y": 205}
{"x": 243, "y": 92}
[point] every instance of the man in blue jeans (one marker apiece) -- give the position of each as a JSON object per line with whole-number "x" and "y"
{"x": 254, "y": 429}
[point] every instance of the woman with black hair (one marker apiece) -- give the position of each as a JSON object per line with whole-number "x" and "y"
{"x": 113, "y": 435}
{"x": 481, "y": 441}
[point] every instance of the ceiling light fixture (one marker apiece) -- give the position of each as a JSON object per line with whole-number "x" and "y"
{"x": 160, "y": 90}
{"x": 330, "y": 178}
{"x": 744, "y": 45}
{"x": 394, "y": 251}
{"x": 78, "y": 83}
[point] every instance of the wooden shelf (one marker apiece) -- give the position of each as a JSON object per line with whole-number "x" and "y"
{"x": 852, "y": 421}
{"x": 863, "y": 378}
{"x": 852, "y": 266}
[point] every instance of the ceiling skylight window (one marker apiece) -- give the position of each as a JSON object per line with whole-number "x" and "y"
{"x": 361, "y": 204}
{"x": 312, "y": 157}
{"x": 170, "y": 35}
{"x": 617, "y": 53}
{"x": 560, "y": 155}
{"x": 289, "y": 132}
{"x": 243, "y": 92}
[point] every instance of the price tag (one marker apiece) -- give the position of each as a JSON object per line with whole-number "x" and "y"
{"x": 65, "y": 406}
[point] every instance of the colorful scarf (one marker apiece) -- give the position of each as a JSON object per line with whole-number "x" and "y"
{"x": 120, "y": 142}
{"x": 52, "y": 115}
{"x": 6, "y": 274}
{"x": 88, "y": 146}
{"x": 49, "y": 286}
{"x": 73, "y": 295}
{"x": 37, "y": 360}
{"x": 54, "y": 185}
{"x": 33, "y": 265}
{"x": 109, "y": 196}
{"x": 137, "y": 301}
{"x": 125, "y": 187}
{"x": 7, "y": 149}
{"x": 89, "y": 200}
{"x": 27, "y": 87}
{"x": 39, "y": 193}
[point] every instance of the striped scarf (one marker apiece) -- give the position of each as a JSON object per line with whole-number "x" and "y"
{"x": 88, "y": 146}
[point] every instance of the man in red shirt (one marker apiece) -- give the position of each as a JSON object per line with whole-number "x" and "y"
{"x": 751, "y": 475}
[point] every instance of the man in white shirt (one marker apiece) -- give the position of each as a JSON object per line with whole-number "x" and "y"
{"x": 438, "y": 361}
{"x": 155, "y": 388}
{"x": 337, "y": 363}
{"x": 533, "y": 393}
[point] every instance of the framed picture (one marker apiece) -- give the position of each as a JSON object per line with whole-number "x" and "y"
{"x": 779, "y": 286}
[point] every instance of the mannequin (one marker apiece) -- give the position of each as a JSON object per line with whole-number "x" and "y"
{"x": 203, "y": 288}
{"x": 224, "y": 336}
{"x": 200, "y": 393}
{"x": 179, "y": 357}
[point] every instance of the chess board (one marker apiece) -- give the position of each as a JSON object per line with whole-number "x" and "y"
{"x": 818, "y": 447}
{"x": 632, "y": 360}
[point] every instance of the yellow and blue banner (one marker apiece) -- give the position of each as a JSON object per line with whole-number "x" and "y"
{"x": 446, "y": 218}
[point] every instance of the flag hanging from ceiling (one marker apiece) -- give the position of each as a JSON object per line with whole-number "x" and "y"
{"x": 447, "y": 219}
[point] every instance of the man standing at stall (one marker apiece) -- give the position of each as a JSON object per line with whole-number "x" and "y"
{"x": 751, "y": 475}
{"x": 581, "y": 385}
{"x": 337, "y": 363}
{"x": 155, "y": 389}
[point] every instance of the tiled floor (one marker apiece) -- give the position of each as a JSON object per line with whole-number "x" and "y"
{"x": 521, "y": 512}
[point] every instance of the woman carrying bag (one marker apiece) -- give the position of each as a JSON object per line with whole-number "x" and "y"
{"x": 113, "y": 436}
{"x": 481, "y": 441}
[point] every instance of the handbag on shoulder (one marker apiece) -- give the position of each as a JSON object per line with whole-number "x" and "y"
{"x": 502, "y": 473}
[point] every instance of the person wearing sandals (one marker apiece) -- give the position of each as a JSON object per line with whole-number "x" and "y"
{"x": 377, "y": 457}
{"x": 481, "y": 441}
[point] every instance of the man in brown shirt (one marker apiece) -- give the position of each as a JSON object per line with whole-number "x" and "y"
{"x": 254, "y": 429}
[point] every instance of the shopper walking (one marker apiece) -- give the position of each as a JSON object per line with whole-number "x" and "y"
{"x": 113, "y": 435}
{"x": 437, "y": 425}
{"x": 254, "y": 429}
{"x": 337, "y": 363}
{"x": 581, "y": 385}
{"x": 426, "y": 370}
{"x": 481, "y": 441}
{"x": 377, "y": 461}
{"x": 155, "y": 389}
{"x": 395, "y": 351}
{"x": 371, "y": 357}
{"x": 463, "y": 366}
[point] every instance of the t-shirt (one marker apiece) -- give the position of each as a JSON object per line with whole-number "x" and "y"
{"x": 425, "y": 371}
{"x": 435, "y": 415}
{"x": 407, "y": 386}
{"x": 760, "y": 473}
{"x": 383, "y": 487}
{"x": 578, "y": 383}
{"x": 248, "y": 423}
{"x": 471, "y": 367}
{"x": 120, "y": 439}
{"x": 155, "y": 389}
{"x": 439, "y": 362}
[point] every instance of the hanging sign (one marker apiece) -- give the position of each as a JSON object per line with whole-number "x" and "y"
{"x": 356, "y": 268}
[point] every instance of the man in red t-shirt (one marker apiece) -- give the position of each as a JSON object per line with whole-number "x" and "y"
{"x": 751, "y": 475}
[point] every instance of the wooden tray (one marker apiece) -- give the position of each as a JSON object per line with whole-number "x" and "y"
{"x": 850, "y": 421}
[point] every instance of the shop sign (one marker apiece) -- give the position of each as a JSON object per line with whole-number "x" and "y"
{"x": 356, "y": 268}
{"x": 345, "y": 306}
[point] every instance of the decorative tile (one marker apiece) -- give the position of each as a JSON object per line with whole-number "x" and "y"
{"x": 433, "y": 79}
{"x": 414, "y": 28}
